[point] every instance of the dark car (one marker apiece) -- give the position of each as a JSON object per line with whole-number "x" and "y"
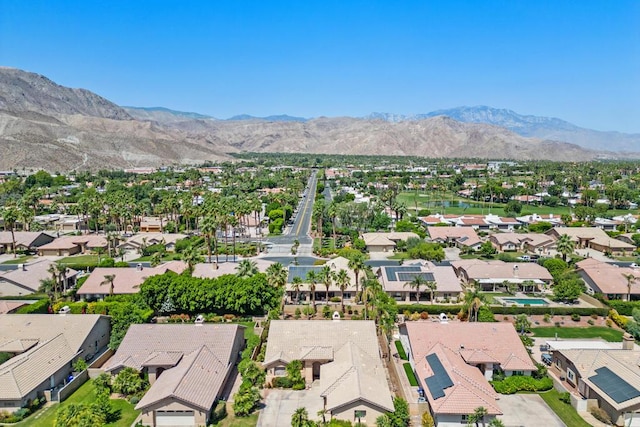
{"x": 546, "y": 359}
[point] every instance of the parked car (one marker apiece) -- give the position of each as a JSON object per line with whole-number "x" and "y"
{"x": 546, "y": 359}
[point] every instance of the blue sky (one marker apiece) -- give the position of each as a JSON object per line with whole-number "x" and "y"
{"x": 577, "y": 60}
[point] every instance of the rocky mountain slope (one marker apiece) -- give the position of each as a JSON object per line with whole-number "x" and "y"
{"x": 46, "y": 125}
{"x": 549, "y": 128}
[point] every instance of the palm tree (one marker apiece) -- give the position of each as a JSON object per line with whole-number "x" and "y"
{"x": 496, "y": 422}
{"x": 156, "y": 259}
{"x": 208, "y": 229}
{"x": 356, "y": 263}
{"x": 296, "y": 284}
{"x": 432, "y": 286}
{"x": 565, "y": 246}
{"x": 478, "y": 415}
{"x": 332, "y": 212}
{"x": 510, "y": 287}
{"x": 10, "y": 216}
{"x": 417, "y": 282}
{"x": 300, "y": 418}
{"x": 247, "y": 268}
{"x": 326, "y": 277}
{"x": 48, "y": 286}
{"x": 473, "y": 300}
{"x": 108, "y": 279}
{"x": 631, "y": 279}
{"x": 342, "y": 280}
{"x": 277, "y": 276}
{"x": 191, "y": 256}
{"x": 312, "y": 278}
{"x": 62, "y": 271}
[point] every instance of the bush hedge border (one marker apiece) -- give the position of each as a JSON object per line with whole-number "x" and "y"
{"x": 455, "y": 309}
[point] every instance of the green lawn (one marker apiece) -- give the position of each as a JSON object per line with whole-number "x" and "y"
{"x": 232, "y": 421}
{"x": 563, "y": 410}
{"x": 19, "y": 260}
{"x": 81, "y": 259}
{"x": 410, "y": 375}
{"x": 167, "y": 257}
{"x": 85, "y": 394}
{"x": 607, "y": 334}
{"x": 401, "y": 352}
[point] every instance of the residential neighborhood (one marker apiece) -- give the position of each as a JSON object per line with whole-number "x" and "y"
{"x": 311, "y": 306}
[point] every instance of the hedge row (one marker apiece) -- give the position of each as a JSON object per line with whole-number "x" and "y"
{"x": 514, "y": 384}
{"x": 537, "y": 310}
{"x": 40, "y": 307}
{"x": 624, "y": 308}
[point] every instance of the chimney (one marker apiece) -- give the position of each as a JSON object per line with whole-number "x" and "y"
{"x": 22, "y": 267}
{"x": 139, "y": 267}
{"x": 215, "y": 265}
{"x": 628, "y": 343}
{"x": 515, "y": 271}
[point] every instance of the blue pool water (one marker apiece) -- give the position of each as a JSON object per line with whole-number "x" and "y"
{"x": 523, "y": 301}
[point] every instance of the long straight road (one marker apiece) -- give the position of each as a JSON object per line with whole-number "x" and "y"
{"x": 301, "y": 225}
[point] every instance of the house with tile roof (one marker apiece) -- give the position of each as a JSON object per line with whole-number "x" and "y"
{"x": 72, "y": 245}
{"x": 26, "y": 278}
{"x": 304, "y": 293}
{"x": 527, "y": 242}
{"x": 125, "y": 280}
{"x": 136, "y": 243}
{"x": 385, "y": 242}
{"x": 610, "y": 280}
{"x": 492, "y": 275}
{"x": 188, "y": 367}
{"x": 454, "y": 363}
{"x": 395, "y": 281}
{"x": 462, "y": 237}
{"x": 609, "y": 377}
{"x": 594, "y": 238}
{"x": 343, "y": 356}
{"x": 43, "y": 349}
{"x": 25, "y": 240}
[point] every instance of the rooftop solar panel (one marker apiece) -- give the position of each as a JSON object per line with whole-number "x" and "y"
{"x": 614, "y": 386}
{"x": 392, "y": 271}
{"x": 300, "y": 271}
{"x": 440, "y": 380}
{"x": 408, "y": 277}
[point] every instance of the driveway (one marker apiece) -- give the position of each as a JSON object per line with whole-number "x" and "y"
{"x": 527, "y": 410}
{"x": 279, "y": 405}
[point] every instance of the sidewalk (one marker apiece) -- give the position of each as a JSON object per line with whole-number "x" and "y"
{"x": 410, "y": 393}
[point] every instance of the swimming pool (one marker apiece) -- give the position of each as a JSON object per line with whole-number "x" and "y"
{"x": 525, "y": 301}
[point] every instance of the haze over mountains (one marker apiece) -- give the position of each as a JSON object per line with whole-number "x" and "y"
{"x": 43, "y": 124}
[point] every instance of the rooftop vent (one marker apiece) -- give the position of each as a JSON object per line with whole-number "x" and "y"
{"x": 65, "y": 310}
{"x": 199, "y": 320}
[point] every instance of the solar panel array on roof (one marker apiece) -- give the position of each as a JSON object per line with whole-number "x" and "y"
{"x": 614, "y": 386}
{"x": 440, "y": 380}
{"x": 408, "y": 277}
{"x": 301, "y": 272}
{"x": 392, "y": 271}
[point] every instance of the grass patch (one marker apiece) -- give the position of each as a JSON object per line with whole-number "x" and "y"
{"x": 410, "y": 375}
{"x": 166, "y": 258}
{"x": 19, "y": 260}
{"x": 399, "y": 255}
{"x": 563, "y": 410}
{"x": 85, "y": 394}
{"x": 401, "y": 352}
{"x": 81, "y": 260}
{"x": 232, "y": 421}
{"x": 607, "y": 334}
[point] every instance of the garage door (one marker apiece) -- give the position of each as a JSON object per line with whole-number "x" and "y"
{"x": 175, "y": 418}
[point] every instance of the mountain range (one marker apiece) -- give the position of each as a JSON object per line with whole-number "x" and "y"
{"x": 43, "y": 124}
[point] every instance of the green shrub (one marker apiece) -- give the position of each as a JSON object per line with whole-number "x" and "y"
{"x": 40, "y": 306}
{"x": 282, "y": 382}
{"x": 514, "y": 384}
{"x": 565, "y": 397}
{"x": 575, "y": 317}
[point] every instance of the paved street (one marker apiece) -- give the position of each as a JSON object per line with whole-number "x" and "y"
{"x": 280, "y": 247}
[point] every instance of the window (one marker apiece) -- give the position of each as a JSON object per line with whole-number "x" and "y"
{"x": 280, "y": 371}
{"x": 359, "y": 414}
{"x": 464, "y": 419}
{"x": 571, "y": 376}
{"x": 518, "y": 373}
